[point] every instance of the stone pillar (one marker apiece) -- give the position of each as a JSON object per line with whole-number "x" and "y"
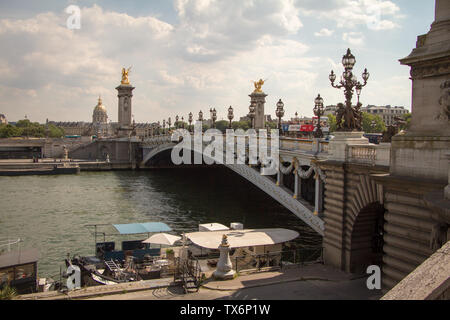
{"x": 258, "y": 99}
{"x": 318, "y": 195}
{"x": 447, "y": 188}
{"x": 125, "y": 94}
{"x": 224, "y": 269}
{"x": 418, "y": 174}
{"x": 296, "y": 181}
{"x": 279, "y": 178}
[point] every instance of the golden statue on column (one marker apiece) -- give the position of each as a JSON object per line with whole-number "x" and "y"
{"x": 125, "y": 76}
{"x": 258, "y": 85}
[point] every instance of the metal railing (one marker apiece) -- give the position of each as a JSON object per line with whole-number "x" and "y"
{"x": 278, "y": 260}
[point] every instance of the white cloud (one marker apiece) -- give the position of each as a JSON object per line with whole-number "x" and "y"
{"x": 208, "y": 58}
{"x": 353, "y": 38}
{"x": 374, "y": 14}
{"x": 324, "y": 32}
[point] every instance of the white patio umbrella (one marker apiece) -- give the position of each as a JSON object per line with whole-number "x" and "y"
{"x": 162, "y": 238}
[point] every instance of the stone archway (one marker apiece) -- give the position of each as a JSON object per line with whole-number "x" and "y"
{"x": 367, "y": 238}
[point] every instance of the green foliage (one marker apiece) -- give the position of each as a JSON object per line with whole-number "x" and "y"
{"x": 407, "y": 118}
{"x": 367, "y": 126}
{"x": 332, "y": 122}
{"x": 7, "y": 293}
{"x": 8, "y": 131}
{"x": 222, "y": 125}
{"x": 169, "y": 251}
{"x": 271, "y": 125}
{"x": 26, "y": 128}
{"x": 55, "y": 132}
{"x": 244, "y": 125}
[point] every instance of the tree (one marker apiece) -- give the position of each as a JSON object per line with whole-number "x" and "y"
{"x": 271, "y": 124}
{"x": 244, "y": 125}
{"x": 407, "y": 118}
{"x": 222, "y": 125}
{"x": 8, "y": 131}
{"x": 55, "y": 132}
{"x": 332, "y": 122}
{"x": 372, "y": 123}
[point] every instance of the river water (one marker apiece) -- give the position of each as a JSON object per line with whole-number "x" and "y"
{"x": 50, "y": 212}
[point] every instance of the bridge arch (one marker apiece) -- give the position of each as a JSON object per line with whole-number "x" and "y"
{"x": 300, "y": 208}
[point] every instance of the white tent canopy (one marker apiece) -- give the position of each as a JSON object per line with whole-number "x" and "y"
{"x": 242, "y": 238}
{"x": 162, "y": 238}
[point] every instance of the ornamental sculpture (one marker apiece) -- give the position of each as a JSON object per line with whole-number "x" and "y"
{"x": 125, "y": 76}
{"x": 348, "y": 118}
{"x": 258, "y": 85}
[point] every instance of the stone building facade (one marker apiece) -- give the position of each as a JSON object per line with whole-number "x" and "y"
{"x": 387, "y": 113}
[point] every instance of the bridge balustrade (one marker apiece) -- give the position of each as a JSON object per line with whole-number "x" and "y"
{"x": 369, "y": 154}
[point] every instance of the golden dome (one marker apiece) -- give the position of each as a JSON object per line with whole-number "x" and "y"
{"x": 99, "y": 114}
{"x": 100, "y": 106}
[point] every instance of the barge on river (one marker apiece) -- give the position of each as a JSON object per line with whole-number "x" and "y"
{"x": 135, "y": 261}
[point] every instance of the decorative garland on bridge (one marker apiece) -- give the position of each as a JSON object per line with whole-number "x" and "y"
{"x": 286, "y": 170}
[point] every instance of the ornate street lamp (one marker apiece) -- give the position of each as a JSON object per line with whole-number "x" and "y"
{"x": 182, "y": 121}
{"x": 213, "y": 113}
{"x": 200, "y": 116}
{"x": 280, "y": 113}
{"x": 230, "y": 116}
{"x": 170, "y": 123}
{"x": 318, "y": 112}
{"x": 164, "y": 126}
{"x": 347, "y": 117}
{"x": 252, "y": 113}
{"x": 176, "y": 121}
{"x": 190, "y": 121}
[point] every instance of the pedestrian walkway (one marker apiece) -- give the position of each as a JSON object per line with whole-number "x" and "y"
{"x": 297, "y": 273}
{"x": 252, "y": 280}
{"x": 101, "y": 290}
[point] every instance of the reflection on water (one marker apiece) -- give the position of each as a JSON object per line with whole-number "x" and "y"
{"x": 50, "y": 212}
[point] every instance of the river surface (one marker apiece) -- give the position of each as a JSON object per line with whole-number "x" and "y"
{"x": 51, "y": 212}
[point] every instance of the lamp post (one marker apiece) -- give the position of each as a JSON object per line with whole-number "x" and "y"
{"x": 280, "y": 113}
{"x": 230, "y": 116}
{"x": 182, "y": 121}
{"x": 169, "y": 123}
{"x": 164, "y": 126}
{"x": 252, "y": 113}
{"x": 200, "y": 116}
{"x": 349, "y": 118}
{"x": 318, "y": 112}
{"x": 176, "y": 122}
{"x": 190, "y": 121}
{"x": 213, "y": 113}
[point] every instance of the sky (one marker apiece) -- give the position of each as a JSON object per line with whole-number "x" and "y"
{"x": 192, "y": 55}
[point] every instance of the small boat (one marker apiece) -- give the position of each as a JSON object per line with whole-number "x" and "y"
{"x": 19, "y": 269}
{"x": 134, "y": 262}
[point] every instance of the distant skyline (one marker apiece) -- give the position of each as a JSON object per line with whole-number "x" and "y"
{"x": 192, "y": 55}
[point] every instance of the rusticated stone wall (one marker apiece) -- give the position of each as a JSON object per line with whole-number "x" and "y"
{"x": 353, "y": 205}
{"x": 408, "y": 227}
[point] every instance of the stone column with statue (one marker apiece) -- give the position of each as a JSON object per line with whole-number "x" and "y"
{"x": 258, "y": 99}
{"x": 125, "y": 93}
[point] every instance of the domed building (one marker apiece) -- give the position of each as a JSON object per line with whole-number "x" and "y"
{"x": 100, "y": 120}
{"x": 100, "y": 115}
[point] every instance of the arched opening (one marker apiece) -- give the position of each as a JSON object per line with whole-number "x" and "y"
{"x": 367, "y": 238}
